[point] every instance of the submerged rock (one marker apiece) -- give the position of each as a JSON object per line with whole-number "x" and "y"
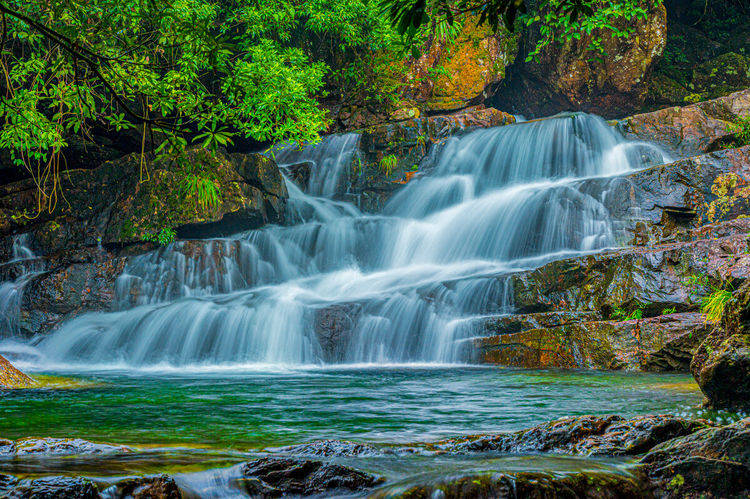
{"x": 10, "y": 377}
{"x": 330, "y": 448}
{"x": 273, "y": 477}
{"x": 57, "y": 487}
{"x": 712, "y": 462}
{"x": 155, "y": 487}
{"x": 581, "y": 435}
{"x": 57, "y": 446}
{"x": 524, "y": 485}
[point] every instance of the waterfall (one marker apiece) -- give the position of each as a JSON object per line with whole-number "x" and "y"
{"x": 340, "y": 286}
{"x": 23, "y": 265}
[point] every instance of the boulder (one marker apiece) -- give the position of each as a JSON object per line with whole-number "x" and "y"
{"x": 581, "y": 435}
{"x": 154, "y": 487}
{"x": 128, "y": 199}
{"x": 690, "y": 130}
{"x": 648, "y": 278}
{"x": 454, "y": 74}
{"x": 721, "y": 366}
{"x": 566, "y": 77}
{"x": 712, "y": 462}
{"x": 273, "y": 477}
{"x": 10, "y": 377}
{"x": 56, "y": 487}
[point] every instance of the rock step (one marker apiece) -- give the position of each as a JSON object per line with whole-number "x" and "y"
{"x": 665, "y": 343}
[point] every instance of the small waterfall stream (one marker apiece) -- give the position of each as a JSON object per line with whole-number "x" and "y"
{"x": 341, "y": 286}
{"x": 21, "y": 267}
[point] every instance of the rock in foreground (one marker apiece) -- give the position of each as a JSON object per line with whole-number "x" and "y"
{"x": 712, "y": 462}
{"x": 721, "y": 366}
{"x": 56, "y": 446}
{"x": 583, "y": 435}
{"x": 273, "y": 477}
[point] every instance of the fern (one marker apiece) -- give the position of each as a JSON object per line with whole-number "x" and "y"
{"x": 203, "y": 189}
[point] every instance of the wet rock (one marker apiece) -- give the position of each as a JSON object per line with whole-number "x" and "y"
{"x": 112, "y": 205}
{"x": 10, "y": 377}
{"x": 156, "y": 487}
{"x": 272, "y": 477}
{"x": 86, "y": 285}
{"x": 57, "y": 487}
{"x": 582, "y": 435}
{"x": 331, "y": 448}
{"x": 58, "y": 446}
{"x": 525, "y": 485}
{"x": 651, "y": 279}
{"x": 334, "y": 326}
{"x": 693, "y": 129}
{"x": 372, "y": 181}
{"x": 665, "y": 343}
{"x": 566, "y": 77}
{"x": 469, "y": 64}
{"x": 672, "y": 202}
{"x": 721, "y": 366}
{"x": 712, "y": 462}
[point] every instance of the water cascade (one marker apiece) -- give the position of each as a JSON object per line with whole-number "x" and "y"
{"x": 23, "y": 265}
{"x": 341, "y": 286}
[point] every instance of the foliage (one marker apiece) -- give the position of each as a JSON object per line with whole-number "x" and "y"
{"x": 172, "y": 72}
{"x": 388, "y": 163}
{"x": 742, "y": 131}
{"x": 558, "y": 20}
{"x": 592, "y": 17}
{"x": 668, "y": 311}
{"x": 713, "y": 304}
{"x": 163, "y": 237}
{"x": 622, "y": 315}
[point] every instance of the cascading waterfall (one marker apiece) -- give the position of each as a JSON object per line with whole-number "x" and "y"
{"x": 23, "y": 265}
{"x": 346, "y": 287}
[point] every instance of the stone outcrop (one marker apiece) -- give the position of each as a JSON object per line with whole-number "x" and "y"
{"x": 712, "y": 462}
{"x": 112, "y": 206}
{"x": 566, "y": 77}
{"x": 56, "y": 487}
{"x": 664, "y": 343}
{"x": 721, "y": 366}
{"x": 489, "y": 485}
{"x": 693, "y": 129}
{"x": 153, "y": 487}
{"x": 10, "y": 377}
{"x": 582, "y": 435}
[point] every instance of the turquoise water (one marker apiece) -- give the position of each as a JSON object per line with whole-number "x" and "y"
{"x": 245, "y": 411}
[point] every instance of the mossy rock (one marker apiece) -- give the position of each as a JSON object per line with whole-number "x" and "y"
{"x": 720, "y": 76}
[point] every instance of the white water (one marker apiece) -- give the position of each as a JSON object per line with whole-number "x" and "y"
{"x": 25, "y": 265}
{"x": 398, "y": 287}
